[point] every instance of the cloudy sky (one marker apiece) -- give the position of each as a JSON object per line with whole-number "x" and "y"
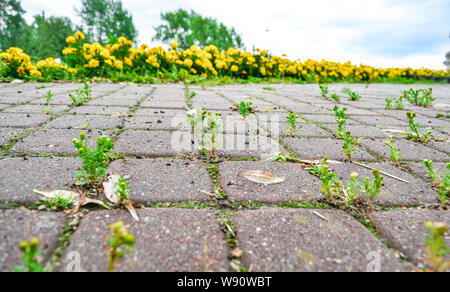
{"x": 382, "y": 33}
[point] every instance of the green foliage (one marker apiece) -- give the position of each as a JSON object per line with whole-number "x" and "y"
{"x": 399, "y": 103}
{"x": 120, "y": 243}
{"x": 58, "y": 202}
{"x": 352, "y": 95}
{"x": 415, "y": 127}
{"x": 324, "y": 91}
{"x": 292, "y": 122}
{"x": 327, "y": 178}
{"x": 82, "y": 95}
{"x": 389, "y": 102}
{"x": 195, "y": 118}
{"x": 123, "y": 189}
{"x": 106, "y": 20}
{"x": 48, "y": 37}
{"x": 13, "y": 28}
{"x": 336, "y": 97}
{"x": 436, "y": 247}
{"x": 245, "y": 108}
{"x": 349, "y": 144}
{"x": 420, "y": 97}
{"x": 190, "y": 28}
{"x": 395, "y": 154}
{"x": 95, "y": 160}
{"x": 372, "y": 188}
{"x": 269, "y": 88}
{"x": 341, "y": 119}
{"x": 30, "y": 256}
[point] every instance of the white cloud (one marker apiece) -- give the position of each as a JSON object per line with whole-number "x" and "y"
{"x": 382, "y": 33}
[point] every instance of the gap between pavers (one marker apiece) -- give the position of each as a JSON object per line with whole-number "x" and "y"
{"x": 412, "y": 151}
{"x": 166, "y": 240}
{"x": 319, "y": 148}
{"x": 56, "y": 141}
{"x": 394, "y": 192}
{"x": 360, "y": 131}
{"x": 18, "y": 120}
{"x": 37, "y": 109}
{"x": 21, "y": 176}
{"x": 298, "y": 185}
{"x": 299, "y": 240}
{"x": 18, "y": 225}
{"x": 165, "y": 180}
{"x": 405, "y": 230}
{"x": 7, "y": 134}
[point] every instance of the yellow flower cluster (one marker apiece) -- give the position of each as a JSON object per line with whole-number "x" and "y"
{"x": 18, "y": 63}
{"x": 96, "y": 60}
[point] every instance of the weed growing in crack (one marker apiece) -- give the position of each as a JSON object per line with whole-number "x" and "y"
{"x": 324, "y": 91}
{"x": 119, "y": 244}
{"x": 212, "y": 130}
{"x": 336, "y": 97}
{"x": 420, "y": 97}
{"x": 56, "y": 203}
{"x": 436, "y": 249}
{"x": 195, "y": 118}
{"x": 389, "y": 102}
{"x": 353, "y": 96}
{"x": 349, "y": 145}
{"x": 82, "y": 95}
{"x": 399, "y": 105}
{"x": 341, "y": 119}
{"x": 30, "y": 256}
{"x": 292, "y": 123}
{"x": 95, "y": 160}
{"x": 441, "y": 181}
{"x": 394, "y": 153}
{"x": 245, "y": 108}
{"x": 372, "y": 188}
{"x": 48, "y": 99}
{"x": 415, "y": 127}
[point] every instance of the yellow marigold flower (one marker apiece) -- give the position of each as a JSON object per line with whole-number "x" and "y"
{"x": 72, "y": 70}
{"x": 35, "y": 73}
{"x": 188, "y": 63}
{"x": 174, "y": 45}
{"x": 234, "y": 68}
{"x": 79, "y": 35}
{"x": 70, "y": 40}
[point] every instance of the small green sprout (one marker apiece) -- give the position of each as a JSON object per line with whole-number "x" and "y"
{"x": 395, "y": 154}
{"x": 292, "y": 122}
{"x": 349, "y": 145}
{"x": 327, "y": 178}
{"x": 119, "y": 243}
{"x": 324, "y": 91}
{"x": 336, "y": 97}
{"x": 95, "y": 160}
{"x": 245, "y": 108}
{"x": 399, "y": 105}
{"x": 341, "y": 119}
{"x": 389, "y": 102}
{"x": 437, "y": 249}
{"x": 441, "y": 181}
{"x": 195, "y": 118}
{"x": 192, "y": 94}
{"x": 123, "y": 190}
{"x": 372, "y": 188}
{"x": 58, "y": 202}
{"x": 82, "y": 95}
{"x": 48, "y": 99}
{"x": 415, "y": 127}
{"x": 30, "y": 256}
{"x": 269, "y": 88}
{"x": 352, "y": 95}
{"x": 213, "y": 129}
{"x": 420, "y": 97}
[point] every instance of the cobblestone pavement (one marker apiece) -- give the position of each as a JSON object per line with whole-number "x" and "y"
{"x": 200, "y": 215}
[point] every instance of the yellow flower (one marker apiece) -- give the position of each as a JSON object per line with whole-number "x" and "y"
{"x": 70, "y": 40}
{"x": 79, "y": 35}
{"x": 188, "y": 63}
{"x": 174, "y": 45}
{"x": 234, "y": 68}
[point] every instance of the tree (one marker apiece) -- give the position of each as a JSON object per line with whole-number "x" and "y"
{"x": 49, "y": 35}
{"x": 104, "y": 20}
{"x": 13, "y": 30}
{"x": 193, "y": 29}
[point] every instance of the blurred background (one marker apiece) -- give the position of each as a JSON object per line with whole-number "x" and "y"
{"x": 381, "y": 33}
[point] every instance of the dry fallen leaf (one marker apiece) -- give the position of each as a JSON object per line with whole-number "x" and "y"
{"x": 263, "y": 177}
{"x": 110, "y": 187}
{"x": 237, "y": 252}
{"x": 79, "y": 199}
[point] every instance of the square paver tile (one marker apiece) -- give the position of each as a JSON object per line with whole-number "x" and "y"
{"x": 85, "y": 122}
{"x": 299, "y": 241}
{"x": 22, "y": 120}
{"x": 7, "y": 134}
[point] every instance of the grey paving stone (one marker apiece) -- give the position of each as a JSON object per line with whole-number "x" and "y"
{"x": 405, "y": 230}
{"x": 166, "y": 240}
{"x": 100, "y": 110}
{"x": 442, "y": 146}
{"x": 360, "y": 131}
{"x": 319, "y": 148}
{"x": 39, "y": 109}
{"x": 20, "y": 177}
{"x": 156, "y": 123}
{"x": 307, "y": 109}
{"x": 325, "y": 119}
{"x": 18, "y": 225}
{"x": 85, "y": 122}
{"x": 22, "y": 120}
{"x": 12, "y": 100}
{"x": 56, "y": 100}
{"x": 299, "y": 240}
{"x": 420, "y": 169}
{"x": 412, "y": 151}
{"x": 394, "y": 192}
{"x": 159, "y": 112}
{"x": 164, "y": 104}
{"x": 113, "y": 102}
{"x": 299, "y": 185}
{"x": 379, "y": 120}
{"x": 154, "y": 143}
{"x": 6, "y": 134}
{"x": 164, "y": 180}
{"x": 351, "y": 111}
{"x": 55, "y": 141}
{"x": 305, "y": 130}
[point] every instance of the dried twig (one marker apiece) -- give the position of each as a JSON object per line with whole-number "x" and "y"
{"x": 382, "y": 172}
